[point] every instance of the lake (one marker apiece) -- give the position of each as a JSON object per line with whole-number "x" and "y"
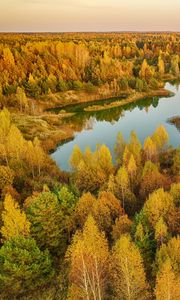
{"x": 102, "y": 127}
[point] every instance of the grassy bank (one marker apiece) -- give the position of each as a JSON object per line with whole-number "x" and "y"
{"x": 132, "y": 98}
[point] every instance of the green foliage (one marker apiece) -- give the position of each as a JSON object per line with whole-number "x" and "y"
{"x": 47, "y": 221}
{"x": 23, "y": 267}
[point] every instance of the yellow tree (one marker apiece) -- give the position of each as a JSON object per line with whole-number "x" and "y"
{"x": 160, "y": 137}
{"x": 6, "y": 177}
{"x": 105, "y": 211}
{"x": 21, "y": 98}
{"x": 170, "y": 251}
{"x": 144, "y": 67}
{"x": 5, "y": 125}
{"x": 104, "y": 159}
{"x": 119, "y": 147}
{"x": 8, "y": 58}
{"x": 88, "y": 259}
{"x": 158, "y": 205}
{"x": 39, "y": 155}
{"x": 128, "y": 278}
{"x": 167, "y": 283}
{"x": 122, "y": 181}
{"x": 126, "y": 156}
{"x": 122, "y": 225}
{"x": 175, "y": 192}
{"x": 132, "y": 168}
{"x": 14, "y": 221}
{"x": 111, "y": 186}
{"x": 15, "y": 150}
{"x": 160, "y": 231}
{"x": 150, "y": 149}
{"x": 84, "y": 207}
{"x": 76, "y": 157}
{"x": 161, "y": 67}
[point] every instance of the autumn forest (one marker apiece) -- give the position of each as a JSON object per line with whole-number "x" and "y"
{"x": 109, "y": 227}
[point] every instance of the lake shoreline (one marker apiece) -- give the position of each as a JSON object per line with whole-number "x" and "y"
{"x": 133, "y": 98}
{"x": 51, "y": 130}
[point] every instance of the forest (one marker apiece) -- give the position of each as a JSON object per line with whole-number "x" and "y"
{"x": 108, "y": 229}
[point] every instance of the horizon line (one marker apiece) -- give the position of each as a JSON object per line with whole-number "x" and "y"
{"x": 92, "y": 31}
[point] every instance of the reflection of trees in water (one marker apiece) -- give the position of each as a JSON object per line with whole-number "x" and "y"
{"x": 90, "y": 123}
{"x": 86, "y": 120}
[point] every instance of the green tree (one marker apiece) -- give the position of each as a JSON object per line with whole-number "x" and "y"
{"x": 23, "y": 267}
{"x": 47, "y": 222}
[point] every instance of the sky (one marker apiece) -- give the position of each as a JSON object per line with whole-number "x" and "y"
{"x": 89, "y": 15}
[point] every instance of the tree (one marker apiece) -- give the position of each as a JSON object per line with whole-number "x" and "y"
{"x": 105, "y": 209}
{"x": 47, "y": 221}
{"x": 88, "y": 259}
{"x": 15, "y": 222}
{"x": 23, "y": 267}
{"x": 167, "y": 284}
{"x": 122, "y": 225}
{"x": 83, "y": 208}
{"x": 135, "y": 147}
{"x": 146, "y": 70}
{"x": 122, "y": 181}
{"x": 5, "y": 124}
{"x": 152, "y": 179}
{"x": 127, "y": 273}
{"x": 67, "y": 202}
{"x": 160, "y": 138}
{"x": 21, "y": 98}
{"x": 171, "y": 252}
{"x": 119, "y": 147}
{"x": 150, "y": 149}
{"x": 158, "y": 205}
{"x": 144, "y": 239}
{"x": 8, "y": 58}
{"x": 175, "y": 64}
{"x": 39, "y": 155}
{"x": 175, "y": 192}
{"x": 176, "y": 161}
{"x": 132, "y": 168}
{"x": 6, "y": 177}
{"x": 35, "y": 156}
{"x": 104, "y": 159}
{"x": 76, "y": 157}
{"x": 160, "y": 231}
{"x": 161, "y": 67}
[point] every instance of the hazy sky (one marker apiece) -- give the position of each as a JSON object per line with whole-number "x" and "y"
{"x": 89, "y": 15}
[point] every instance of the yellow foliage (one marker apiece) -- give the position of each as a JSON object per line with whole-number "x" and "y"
{"x": 15, "y": 222}
{"x": 167, "y": 284}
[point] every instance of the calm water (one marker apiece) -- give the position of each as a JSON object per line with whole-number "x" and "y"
{"x": 102, "y": 127}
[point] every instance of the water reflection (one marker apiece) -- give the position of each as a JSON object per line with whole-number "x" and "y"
{"x": 99, "y": 127}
